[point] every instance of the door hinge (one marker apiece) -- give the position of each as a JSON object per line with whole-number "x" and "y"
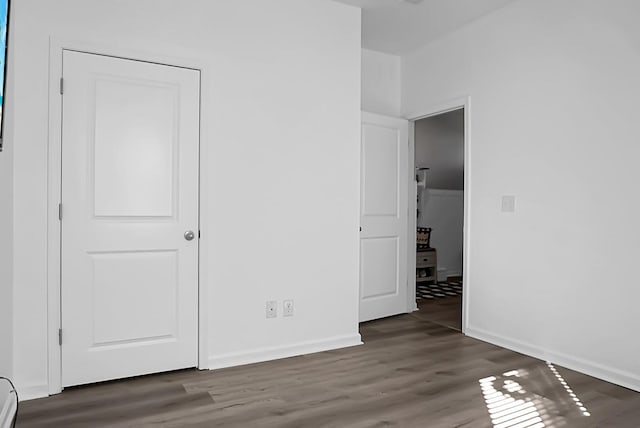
{"x": 60, "y": 211}
{"x": 60, "y": 336}
{"x": 198, "y": 234}
{"x": 61, "y": 86}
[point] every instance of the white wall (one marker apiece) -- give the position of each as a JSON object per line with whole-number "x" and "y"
{"x": 6, "y": 260}
{"x": 439, "y": 145}
{"x": 276, "y": 224}
{"x": 443, "y": 211}
{"x": 554, "y": 114}
{"x": 381, "y": 86}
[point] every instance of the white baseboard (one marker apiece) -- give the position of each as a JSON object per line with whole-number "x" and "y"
{"x": 277, "y": 352}
{"x": 444, "y": 273}
{"x": 454, "y": 273}
{"x": 32, "y": 392}
{"x": 609, "y": 374}
{"x": 237, "y": 359}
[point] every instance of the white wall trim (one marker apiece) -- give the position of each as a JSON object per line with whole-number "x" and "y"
{"x": 433, "y": 110}
{"x": 444, "y": 273}
{"x": 32, "y": 392}
{"x": 445, "y": 193}
{"x": 412, "y": 304}
{"x": 278, "y": 352}
{"x": 54, "y": 188}
{"x": 439, "y": 107}
{"x": 609, "y": 374}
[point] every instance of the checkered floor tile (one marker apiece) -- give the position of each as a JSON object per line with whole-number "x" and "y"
{"x": 438, "y": 291}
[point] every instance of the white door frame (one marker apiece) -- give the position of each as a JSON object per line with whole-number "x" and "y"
{"x": 54, "y": 189}
{"x": 434, "y": 110}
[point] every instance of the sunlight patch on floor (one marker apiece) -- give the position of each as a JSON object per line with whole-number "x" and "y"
{"x": 572, "y": 395}
{"x": 508, "y": 403}
{"x": 511, "y": 406}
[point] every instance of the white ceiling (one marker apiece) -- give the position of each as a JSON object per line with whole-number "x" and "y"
{"x": 401, "y": 26}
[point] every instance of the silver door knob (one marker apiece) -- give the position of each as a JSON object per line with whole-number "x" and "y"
{"x": 189, "y": 235}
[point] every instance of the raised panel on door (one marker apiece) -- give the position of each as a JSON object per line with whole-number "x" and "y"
{"x": 135, "y": 147}
{"x": 380, "y": 171}
{"x": 126, "y": 280}
{"x": 383, "y": 217}
{"x": 380, "y": 255}
{"x": 129, "y": 192}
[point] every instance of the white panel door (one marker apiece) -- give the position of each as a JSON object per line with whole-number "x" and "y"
{"x": 130, "y": 137}
{"x": 384, "y": 219}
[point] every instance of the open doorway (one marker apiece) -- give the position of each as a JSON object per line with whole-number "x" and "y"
{"x": 439, "y": 156}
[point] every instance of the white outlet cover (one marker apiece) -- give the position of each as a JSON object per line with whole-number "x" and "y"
{"x": 287, "y": 308}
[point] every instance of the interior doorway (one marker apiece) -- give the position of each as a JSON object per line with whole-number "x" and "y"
{"x": 439, "y": 160}
{"x": 390, "y": 264}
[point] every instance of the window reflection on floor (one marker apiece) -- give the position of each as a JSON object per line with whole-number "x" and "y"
{"x": 510, "y": 405}
{"x": 567, "y": 388}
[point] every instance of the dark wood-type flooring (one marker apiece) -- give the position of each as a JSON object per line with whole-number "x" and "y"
{"x": 446, "y": 312}
{"x": 410, "y": 373}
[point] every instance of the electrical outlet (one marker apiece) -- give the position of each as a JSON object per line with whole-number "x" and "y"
{"x": 287, "y": 308}
{"x": 272, "y": 309}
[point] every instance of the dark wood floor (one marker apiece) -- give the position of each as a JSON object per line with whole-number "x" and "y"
{"x": 446, "y": 312}
{"x": 410, "y": 373}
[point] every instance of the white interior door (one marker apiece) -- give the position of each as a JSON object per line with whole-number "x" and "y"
{"x": 129, "y": 193}
{"x": 384, "y": 216}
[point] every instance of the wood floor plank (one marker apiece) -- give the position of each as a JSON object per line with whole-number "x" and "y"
{"x": 410, "y": 372}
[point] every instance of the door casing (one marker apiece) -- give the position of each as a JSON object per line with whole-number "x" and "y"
{"x": 54, "y": 189}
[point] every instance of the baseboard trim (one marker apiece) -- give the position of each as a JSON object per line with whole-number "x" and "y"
{"x": 32, "y": 392}
{"x": 609, "y": 374}
{"x": 237, "y": 359}
{"x": 278, "y": 352}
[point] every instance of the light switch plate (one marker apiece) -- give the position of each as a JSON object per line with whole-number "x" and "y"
{"x": 508, "y": 203}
